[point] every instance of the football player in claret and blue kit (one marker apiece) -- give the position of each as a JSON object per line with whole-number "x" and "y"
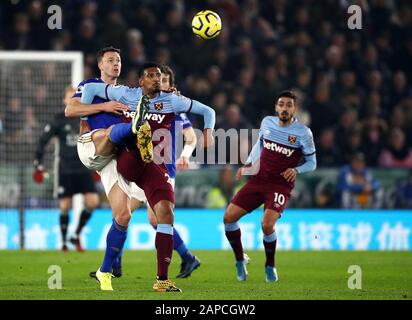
{"x": 148, "y": 171}
{"x": 274, "y": 162}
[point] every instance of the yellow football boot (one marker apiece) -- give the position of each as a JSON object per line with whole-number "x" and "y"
{"x": 144, "y": 142}
{"x": 105, "y": 280}
{"x": 165, "y": 286}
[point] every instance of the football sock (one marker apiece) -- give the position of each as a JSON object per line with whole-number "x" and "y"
{"x": 114, "y": 244}
{"x": 164, "y": 248}
{"x": 120, "y": 131}
{"x": 84, "y": 218}
{"x": 269, "y": 242}
{"x": 233, "y": 235}
{"x": 117, "y": 264}
{"x": 64, "y": 222}
{"x": 180, "y": 247}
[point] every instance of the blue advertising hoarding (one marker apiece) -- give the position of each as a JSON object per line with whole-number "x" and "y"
{"x": 203, "y": 229}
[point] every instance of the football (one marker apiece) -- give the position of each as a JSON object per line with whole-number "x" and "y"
{"x": 206, "y": 24}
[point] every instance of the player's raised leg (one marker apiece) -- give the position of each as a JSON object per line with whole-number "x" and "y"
{"x": 104, "y": 140}
{"x": 142, "y": 129}
{"x": 269, "y": 242}
{"x": 233, "y": 234}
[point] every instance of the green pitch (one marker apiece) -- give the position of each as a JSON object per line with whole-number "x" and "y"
{"x": 303, "y": 275}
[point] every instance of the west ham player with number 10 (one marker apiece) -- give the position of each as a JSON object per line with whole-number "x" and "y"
{"x": 150, "y": 176}
{"x": 285, "y": 141}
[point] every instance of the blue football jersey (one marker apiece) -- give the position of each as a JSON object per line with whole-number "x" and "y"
{"x": 99, "y": 120}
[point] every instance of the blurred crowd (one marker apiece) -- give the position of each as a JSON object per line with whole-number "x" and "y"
{"x": 354, "y": 86}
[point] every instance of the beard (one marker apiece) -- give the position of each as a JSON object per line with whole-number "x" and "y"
{"x": 285, "y": 117}
{"x": 156, "y": 88}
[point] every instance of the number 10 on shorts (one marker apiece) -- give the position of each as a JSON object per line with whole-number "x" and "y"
{"x": 279, "y": 199}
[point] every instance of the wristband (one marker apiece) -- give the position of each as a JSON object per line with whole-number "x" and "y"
{"x": 187, "y": 151}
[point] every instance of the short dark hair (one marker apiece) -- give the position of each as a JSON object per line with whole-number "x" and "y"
{"x": 147, "y": 65}
{"x": 287, "y": 94}
{"x": 167, "y": 70}
{"x": 101, "y": 52}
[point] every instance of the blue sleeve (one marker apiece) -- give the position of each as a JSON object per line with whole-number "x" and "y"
{"x": 309, "y": 153}
{"x": 180, "y": 103}
{"x": 308, "y": 165}
{"x": 257, "y": 148}
{"x": 255, "y": 152}
{"x": 308, "y": 146}
{"x": 117, "y": 93}
{"x": 90, "y": 90}
{"x": 209, "y": 115}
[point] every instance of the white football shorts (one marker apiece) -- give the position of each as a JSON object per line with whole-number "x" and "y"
{"x": 87, "y": 153}
{"x": 110, "y": 176}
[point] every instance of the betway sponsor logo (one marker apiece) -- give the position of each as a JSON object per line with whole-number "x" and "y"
{"x": 275, "y": 147}
{"x": 156, "y": 117}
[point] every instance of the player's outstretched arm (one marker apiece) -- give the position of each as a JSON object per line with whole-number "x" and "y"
{"x": 209, "y": 118}
{"x": 184, "y": 104}
{"x": 77, "y": 109}
{"x": 209, "y": 115}
{"x": 91, "y": 90}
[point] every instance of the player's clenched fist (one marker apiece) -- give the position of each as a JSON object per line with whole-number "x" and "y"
{"x": 115, "y": 107}
{"x": 289, "y": 174}
{"x": 182, "y": 163}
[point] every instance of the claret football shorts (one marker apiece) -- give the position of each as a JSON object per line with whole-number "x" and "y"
{"x": 253, "y": 195}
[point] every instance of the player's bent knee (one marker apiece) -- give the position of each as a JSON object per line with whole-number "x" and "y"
{"x": 164, "y": 212}
{"x": 268, "y": 227}
{"x": 102, "y": 142}
{"x": 228, "y": 218}
{"x": 233, "y": 214}
{"x": 123, "y": 217}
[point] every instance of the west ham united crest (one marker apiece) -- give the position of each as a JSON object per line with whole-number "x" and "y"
{"x": 292, "y": 139}
{"x": 158, "y": 106}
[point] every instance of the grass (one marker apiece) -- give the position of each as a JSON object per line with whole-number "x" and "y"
{"x": 303, "y": 275}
